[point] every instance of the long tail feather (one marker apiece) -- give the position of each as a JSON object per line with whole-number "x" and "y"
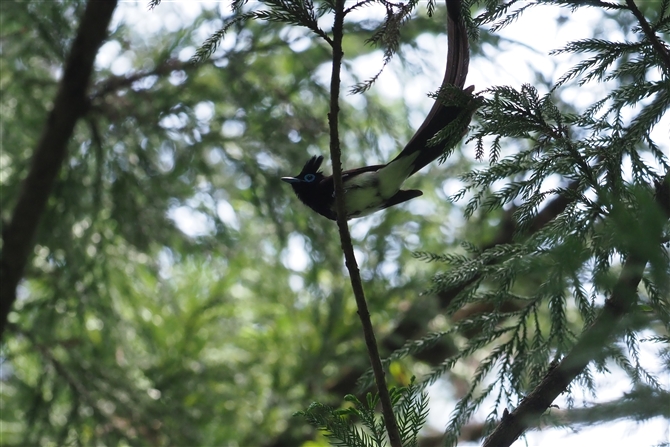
{"x": 458, "y": 60}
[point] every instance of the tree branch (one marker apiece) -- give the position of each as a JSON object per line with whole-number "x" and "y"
{"x": 618, "y": 305}
{"x": 641, "y": 404}
{"x": 69, "y": 106}
{"x": 455, "y": 73}
{"x": 661, "y": 49}
{"x": 114, "y": 83}
{"x": 345, "y": 237}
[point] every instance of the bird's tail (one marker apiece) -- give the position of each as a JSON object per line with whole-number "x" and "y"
{"x": 453, "y": 118}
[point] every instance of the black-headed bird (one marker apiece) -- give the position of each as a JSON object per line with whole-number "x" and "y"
{"x": 373, "y": 188}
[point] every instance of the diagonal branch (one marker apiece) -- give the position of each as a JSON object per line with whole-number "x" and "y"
{"x": 114, "y": 83}
{"x": 617, "y": 306}
{"x": 69, "y": 106}
{"x": 660, "y": 48}
{"x": 641, "y": 404}
{"x": 455, "y": 73}
{"x": 345, "y": 237}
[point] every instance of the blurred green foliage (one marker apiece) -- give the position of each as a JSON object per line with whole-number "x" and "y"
{"x": 131, "y": 331}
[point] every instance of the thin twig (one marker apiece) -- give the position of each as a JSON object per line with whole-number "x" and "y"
{"x": 345, "y": 237}
{"x": 661, "y": 49}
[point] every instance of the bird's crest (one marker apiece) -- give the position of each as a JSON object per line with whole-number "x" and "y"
{"x": 312, "y": 166}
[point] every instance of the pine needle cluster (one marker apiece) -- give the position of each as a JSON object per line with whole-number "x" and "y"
{"x": 612, "y": 177}
{"x": 359, "y": 425}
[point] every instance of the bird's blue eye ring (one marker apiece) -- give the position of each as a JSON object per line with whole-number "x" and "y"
{"x": 309, "y": 178}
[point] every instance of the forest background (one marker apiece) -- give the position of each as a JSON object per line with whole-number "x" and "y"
{"x": 177, "y": 293}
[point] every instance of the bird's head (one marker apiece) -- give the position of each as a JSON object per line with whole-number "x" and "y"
{"x": 309, "y": 176}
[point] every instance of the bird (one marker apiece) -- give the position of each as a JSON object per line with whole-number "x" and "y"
{"x": 369, "y": 189}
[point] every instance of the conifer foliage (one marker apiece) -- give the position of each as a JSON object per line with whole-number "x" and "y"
{"x": 605, "y": 254}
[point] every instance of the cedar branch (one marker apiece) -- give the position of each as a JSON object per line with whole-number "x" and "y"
{"x": 70, "y": 105}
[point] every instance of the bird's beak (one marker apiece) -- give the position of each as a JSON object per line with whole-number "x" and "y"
{"x": 291, "y": 180}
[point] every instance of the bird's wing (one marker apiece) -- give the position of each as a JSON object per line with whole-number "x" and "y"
{"x": 353, "y": 172}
